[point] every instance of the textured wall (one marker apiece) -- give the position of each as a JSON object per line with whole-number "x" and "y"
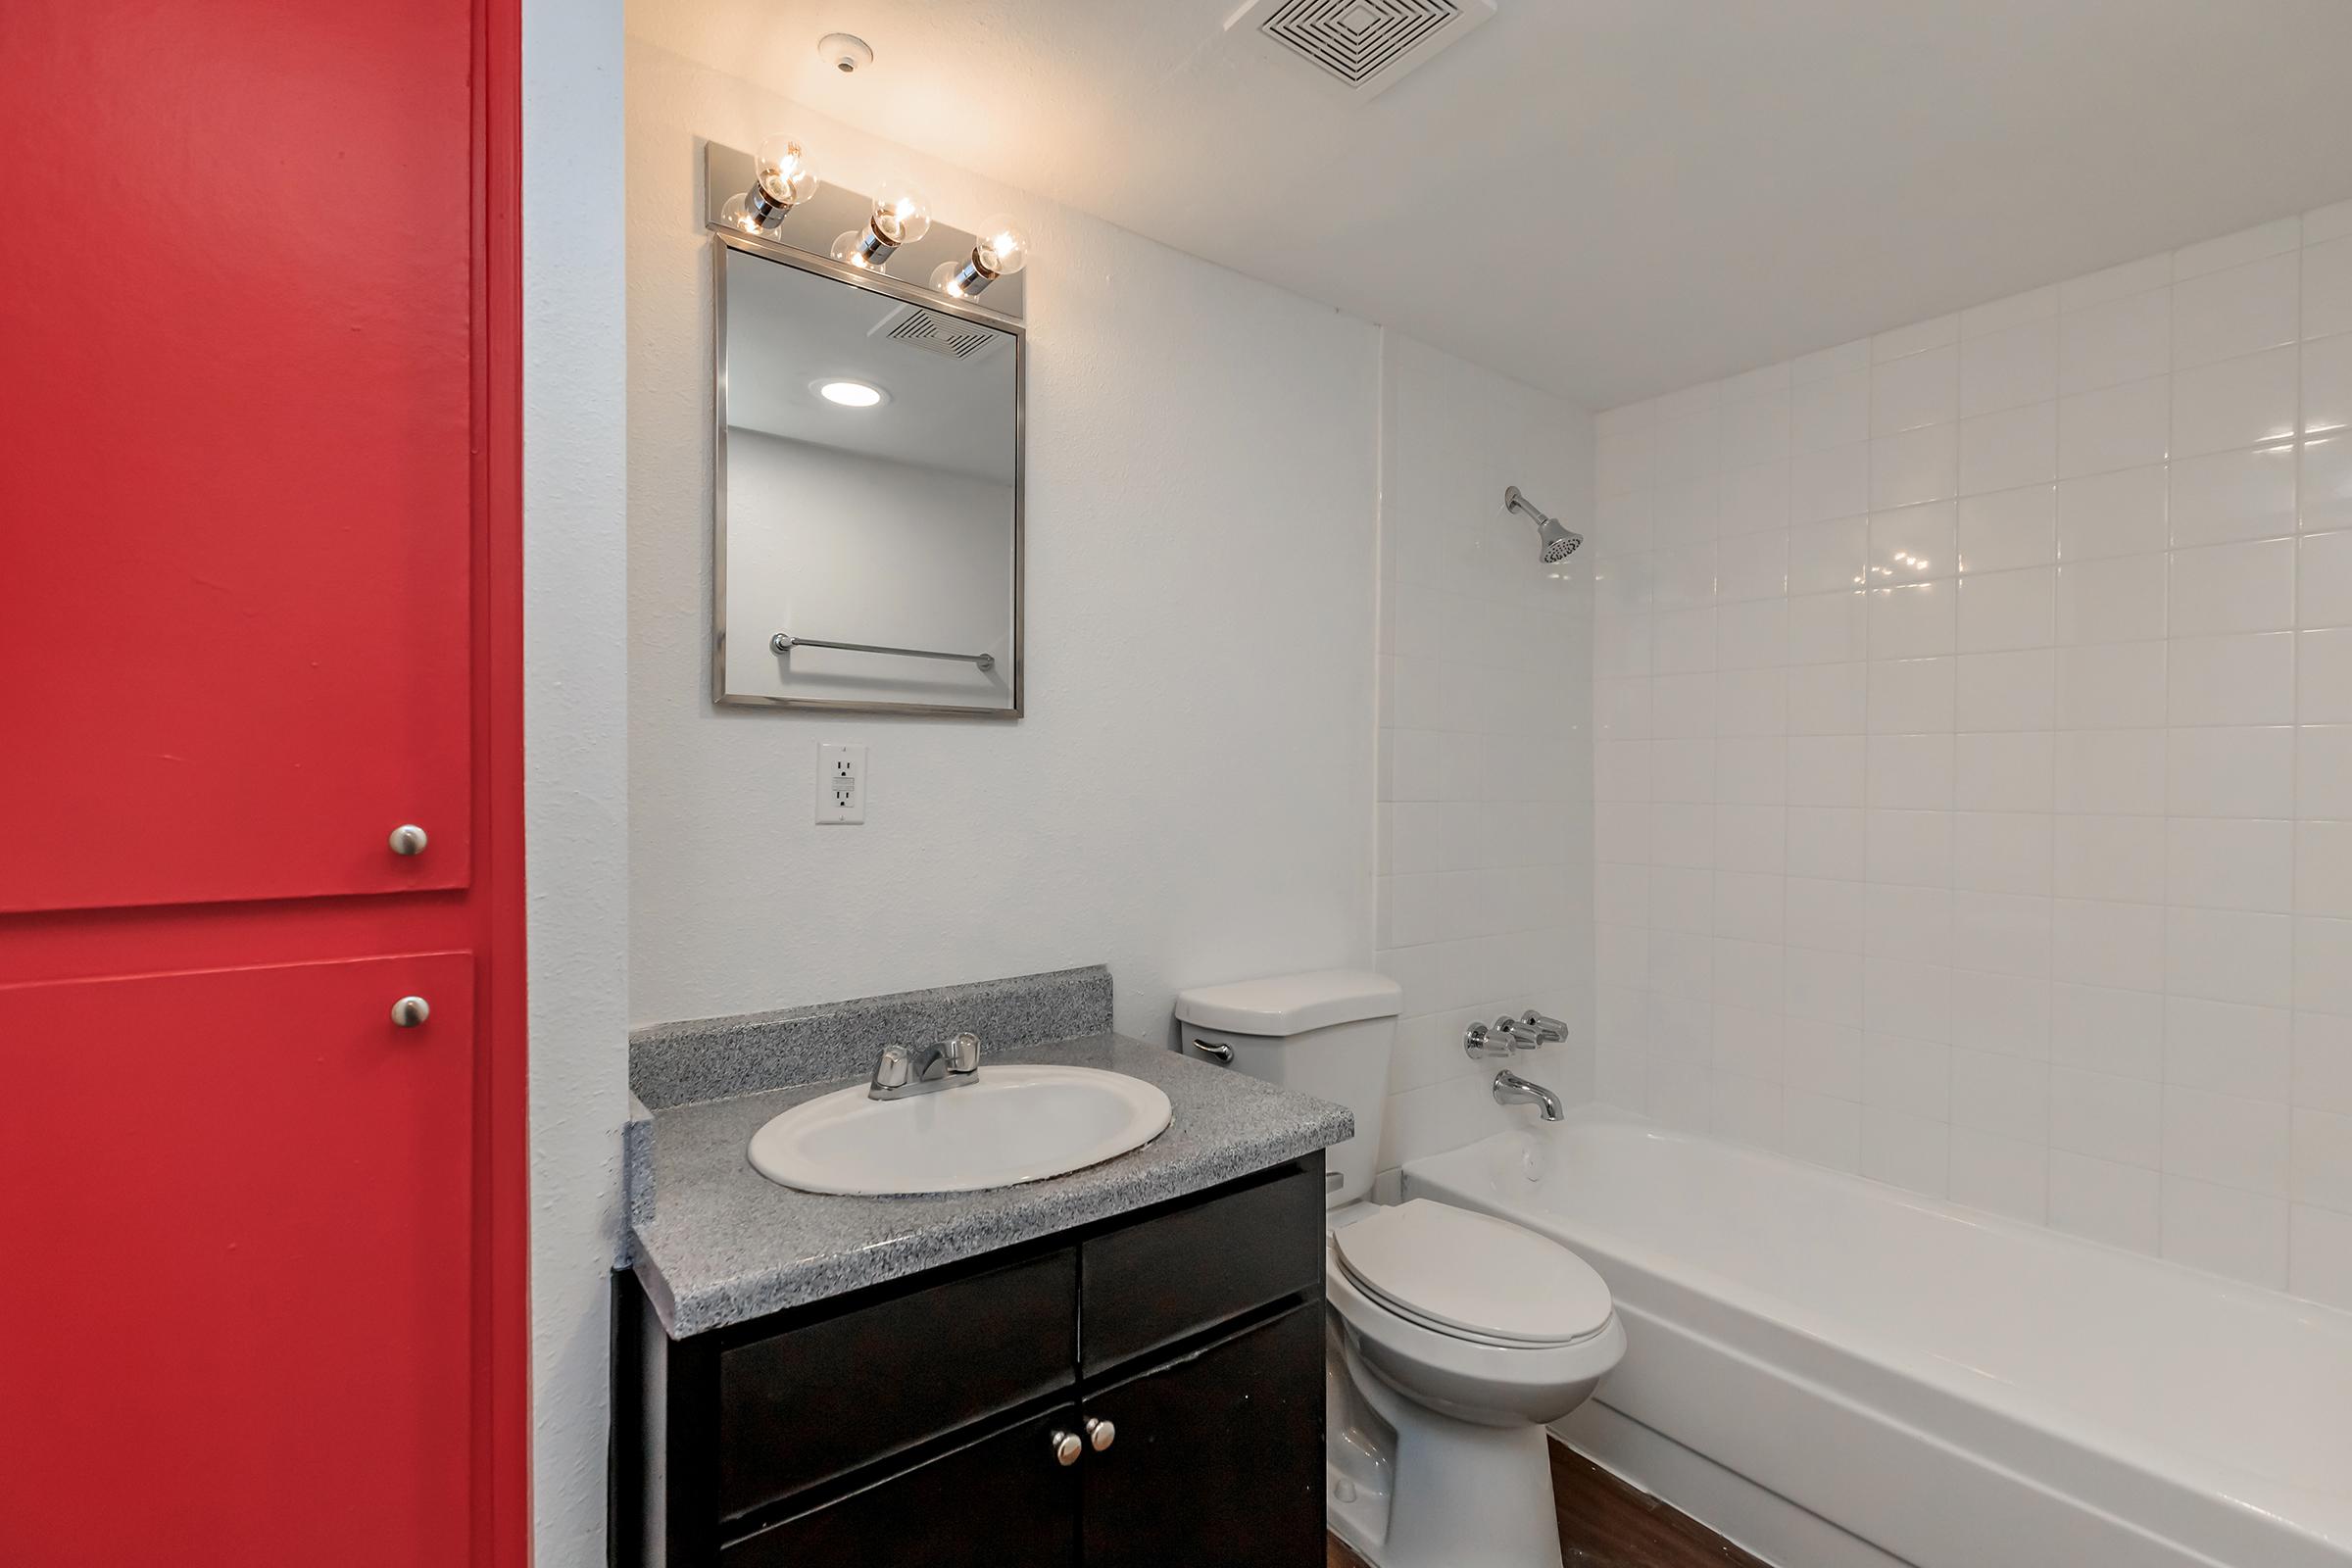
{"x": 576, "y": 744}
{"x": 1190, "y": 799}
{"x": 1486, "y": 763}
{"x": 1974, "y": 758}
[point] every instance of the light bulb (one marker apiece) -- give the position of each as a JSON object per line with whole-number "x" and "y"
{"x": 738, "y": 214}
{"x": 1002, "y": 249}
{"x": 849, "y": 394}
{"x": 900, "y": 217}
{"x": 849, "y": 246}
{"x": 948, "y": 279}
{"x": 784, "y": 171}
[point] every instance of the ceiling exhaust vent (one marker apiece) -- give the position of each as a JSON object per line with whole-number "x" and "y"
{"x": 933, "y": 333}
{"x": 1361, "y": 48}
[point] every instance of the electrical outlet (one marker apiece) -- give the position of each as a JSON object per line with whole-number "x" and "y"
{"x": 841, "y": 784}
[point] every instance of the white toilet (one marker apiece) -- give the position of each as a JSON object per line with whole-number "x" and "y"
{"x": 1453, "y": 1338}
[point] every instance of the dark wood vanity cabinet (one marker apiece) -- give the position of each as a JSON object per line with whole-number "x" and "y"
{"x": 1219, "y": 1457}
{"x": 926, "y": 1423}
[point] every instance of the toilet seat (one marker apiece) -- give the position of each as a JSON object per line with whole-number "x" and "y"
{"x": 1469, "y": 1379}
{"x": 1472, "y": 1277}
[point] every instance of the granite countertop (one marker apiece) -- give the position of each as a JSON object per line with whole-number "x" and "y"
{"x": 725, "y": 1244}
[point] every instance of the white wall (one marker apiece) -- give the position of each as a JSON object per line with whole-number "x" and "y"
{"x": 1191, "y": 797}
{"x": 1486, "y": 807}
{"x": 1974, "y": 757}
{"x": 851, "y": 548}
{"x": 575, "y": 710}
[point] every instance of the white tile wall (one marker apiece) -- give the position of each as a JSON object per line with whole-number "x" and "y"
{"x": 1485, "y": 769}
{"x": 1973, "y": 797}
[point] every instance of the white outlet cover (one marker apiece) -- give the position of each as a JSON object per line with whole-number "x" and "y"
{"x": 840, "y": 783}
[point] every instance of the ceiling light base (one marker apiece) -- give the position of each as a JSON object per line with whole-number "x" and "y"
{"x": 845, "y": 52}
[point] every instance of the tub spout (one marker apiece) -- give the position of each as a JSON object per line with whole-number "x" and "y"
{"x": 1512, "y": 1090}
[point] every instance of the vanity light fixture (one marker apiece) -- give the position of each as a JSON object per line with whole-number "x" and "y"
{"x": 1002, "y": 250}
{"x": 852, "y": 394}
{"x": 899, "y": 217}
{"x": 782, "y": 182}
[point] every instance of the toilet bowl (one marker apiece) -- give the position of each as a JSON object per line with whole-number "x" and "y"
{"x": 1452, "y": 1339}
{"x": 1459, "y": 1336}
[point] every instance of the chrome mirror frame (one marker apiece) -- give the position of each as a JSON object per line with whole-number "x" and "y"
{"x": 728, "y": 240}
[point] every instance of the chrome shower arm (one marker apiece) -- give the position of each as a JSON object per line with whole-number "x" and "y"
{"x": 1513, "y": 501}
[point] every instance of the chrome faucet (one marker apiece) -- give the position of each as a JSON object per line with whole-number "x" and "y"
{"x": 1512, "y": 1090}
{"x": 902, "y": 1070}
{"x": 1507, "y": 1033}
{"x": 1497, "y": 1039}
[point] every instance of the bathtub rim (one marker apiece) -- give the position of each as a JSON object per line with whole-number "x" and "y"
{"x": 2321, "y": 1518}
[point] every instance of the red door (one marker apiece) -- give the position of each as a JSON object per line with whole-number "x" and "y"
{"x": 235, "y": 426}
{"x": 242, "y": 1198}
{"x": 260, "y": 605}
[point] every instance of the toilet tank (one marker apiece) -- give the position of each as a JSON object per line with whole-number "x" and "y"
{"x": 1325, "y": 1034}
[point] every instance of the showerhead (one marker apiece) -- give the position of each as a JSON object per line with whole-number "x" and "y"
{"x": 1557, "y": 543}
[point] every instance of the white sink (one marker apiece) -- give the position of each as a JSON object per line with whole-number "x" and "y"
{"x": 1009, "y": 1125}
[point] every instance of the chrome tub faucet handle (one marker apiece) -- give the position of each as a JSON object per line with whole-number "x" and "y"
{"x": 1483, "y": 1041}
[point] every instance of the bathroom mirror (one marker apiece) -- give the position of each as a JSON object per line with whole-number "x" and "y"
{"x": 868, "y": 492}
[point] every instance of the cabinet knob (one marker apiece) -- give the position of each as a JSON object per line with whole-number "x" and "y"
{"x": 1101, "y": 1433}
{"x": 408, "y": 839}
{"x": 410, "y": 1012}
{"x": 1067, "y": 1447}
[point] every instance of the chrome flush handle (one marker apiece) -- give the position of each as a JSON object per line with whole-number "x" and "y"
{"x": 1214, "y": 1052}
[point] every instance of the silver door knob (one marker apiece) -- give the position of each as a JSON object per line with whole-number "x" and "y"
{"x": 1101, "y": 1434}
{"x": 410, "y": 1012}
{"x": 408, "y": 839}
{"x": 1067, "y": 1447}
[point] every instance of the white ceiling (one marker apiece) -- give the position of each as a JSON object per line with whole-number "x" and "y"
{"x": 1610, "y": 198}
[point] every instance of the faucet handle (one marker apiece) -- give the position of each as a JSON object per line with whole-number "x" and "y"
{"x": 894, "y": 1068}
{"x": 1483, "y": 1041}
{"x": 1521, "y": 1035}
{"x": 1546, "y": 1030}
{"x": 962, "y": 1052}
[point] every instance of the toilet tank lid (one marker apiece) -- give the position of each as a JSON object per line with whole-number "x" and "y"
{"x": 1291, "y": 1003}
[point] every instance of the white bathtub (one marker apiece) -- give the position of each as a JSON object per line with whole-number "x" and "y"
{"x": 1955, "y": 1390}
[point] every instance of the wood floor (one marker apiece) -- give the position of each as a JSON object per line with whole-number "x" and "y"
{"x": 1607, "y": 1524}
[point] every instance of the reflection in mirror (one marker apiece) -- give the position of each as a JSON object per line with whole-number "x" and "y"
{"x": 868, "y": 495}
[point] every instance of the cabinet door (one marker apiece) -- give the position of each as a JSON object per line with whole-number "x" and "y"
{"x": 240, "y": 1211}
{"x": 1217, "y": 1458}
{"x": 1003, "y": 1502}
{"x": 799, "y": 1408}
{"x": 236, "y": 454}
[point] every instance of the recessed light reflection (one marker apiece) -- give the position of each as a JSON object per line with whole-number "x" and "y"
{"x": 849, "y": 394}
